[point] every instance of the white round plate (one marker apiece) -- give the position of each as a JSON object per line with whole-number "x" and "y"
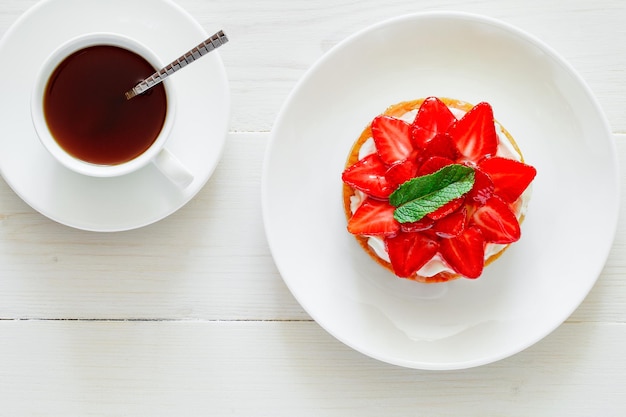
{"x": 568, "y": 230}
{"x": 134, "y": 200}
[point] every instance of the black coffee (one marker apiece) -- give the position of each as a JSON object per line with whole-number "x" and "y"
{"x": 87, "y": 113}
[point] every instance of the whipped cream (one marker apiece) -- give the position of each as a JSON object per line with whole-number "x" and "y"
{"x": 437, "y": 265}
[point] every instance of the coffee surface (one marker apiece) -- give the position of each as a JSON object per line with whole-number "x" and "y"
{"x": 87, "y": 113}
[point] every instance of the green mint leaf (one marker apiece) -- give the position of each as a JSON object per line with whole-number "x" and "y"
{"x": 422, "y": 195}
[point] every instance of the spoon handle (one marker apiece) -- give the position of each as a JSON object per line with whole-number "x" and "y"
{"x": 202, "y": 49}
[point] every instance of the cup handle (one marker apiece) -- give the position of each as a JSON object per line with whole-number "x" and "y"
{"x": 173, "y": 169}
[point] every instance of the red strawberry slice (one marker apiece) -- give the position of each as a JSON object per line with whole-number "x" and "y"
{"x": 400, "y": 172}
{"x": 465, "y": 253}
{"x": 483, "y": 188}
{"x": 408, "y": 252}
{"x": 392, "y": 138}
{"x": 441, "y": 145}
{"x": 475, "y": 134}
{"x": 433, "y": 117}
{"x": 421, "y": 225}
{"x": 433, "y": 164}
{"x": 510, "y": 177}
{"x": 373, "y": 217}
{"x": 447, "y": 209}
{"x": 368, "y": 175}
{"x": 452, "y": 225}
{"x": 496, "y": 221}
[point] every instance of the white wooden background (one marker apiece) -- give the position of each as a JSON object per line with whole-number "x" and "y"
{"x": 189, "y": 317}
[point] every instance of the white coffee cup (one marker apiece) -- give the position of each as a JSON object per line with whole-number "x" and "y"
{"x": 157, "y": 153}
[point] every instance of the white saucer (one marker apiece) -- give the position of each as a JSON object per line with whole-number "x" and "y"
{"x": 535, "y": 285}
{"x": 138, "y": 199}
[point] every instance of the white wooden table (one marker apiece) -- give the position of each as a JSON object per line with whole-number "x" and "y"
{"x": 189, "y": 316}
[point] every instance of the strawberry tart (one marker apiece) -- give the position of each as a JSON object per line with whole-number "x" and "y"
{"x": 435, "y": 189}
